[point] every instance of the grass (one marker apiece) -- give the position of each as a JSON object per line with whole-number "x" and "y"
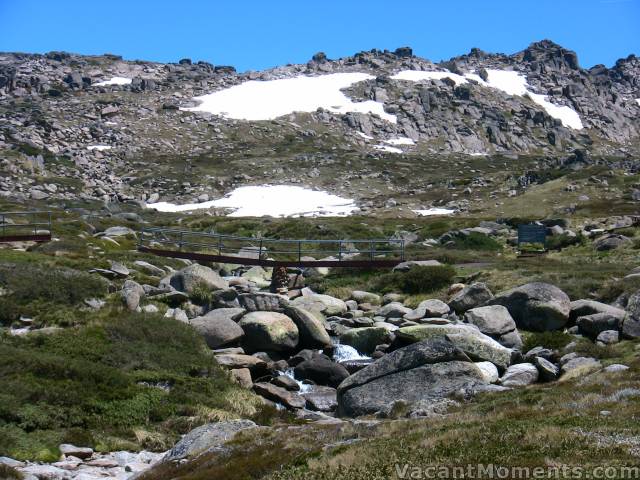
{"x": 33, "y": 290}
{"x": 537, "y": 426}
{"x": 553, "y": 340}
{"x": 104, "y": 380}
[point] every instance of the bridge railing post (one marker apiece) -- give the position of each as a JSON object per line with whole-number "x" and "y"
{"x": 4, "y": 225}
{"x": 299, "y": 251}
{"x": 181, "y": 241}
{"x": 260, "y": 250}
{"x": 340, "y": 250}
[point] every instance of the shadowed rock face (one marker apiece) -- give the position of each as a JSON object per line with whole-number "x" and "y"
{"x": 536, "y": 306}
{"x": 425, "y": 371}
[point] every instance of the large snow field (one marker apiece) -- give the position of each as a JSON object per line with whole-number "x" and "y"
{"x": 510, "y": 82}
{"x": 266, "y": 100}
{"x": 271, "y": 201}
{"x": 114, "y": 81}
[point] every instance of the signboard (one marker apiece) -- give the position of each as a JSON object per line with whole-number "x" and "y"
{"x": 532, "y": 233}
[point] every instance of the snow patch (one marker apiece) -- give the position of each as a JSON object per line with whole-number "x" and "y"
{"x": 365, "y": 136}
{"x": 434, "y": 211}
{"x": 114, "y": 81}
{"x": 100, "y": 148}
{"x": 638, "y": 101}
{"x": 272, "y": 201}
{"x": 266, "y": 100}
{"x": 508, "y": 81}
{"x": 387, "y": 148}
{"x": 400, "y": 141}
{"x": 419, "y": 75}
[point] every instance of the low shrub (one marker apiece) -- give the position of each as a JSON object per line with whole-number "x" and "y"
{"x": 104, "y": 381}
{"x": 201, "y": 294}
{"x": 553, "y": 340}
{"x": 46, "y": 293}
{"x": 476, "y": 241}
{"x": 558, "y": 242}
{"x": 419, "y": 279}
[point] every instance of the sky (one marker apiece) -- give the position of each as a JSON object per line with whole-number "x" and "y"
{"x": 257, "y": 34}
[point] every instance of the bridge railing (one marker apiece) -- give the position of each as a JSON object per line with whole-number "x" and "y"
{"x": 280, "y": 250}
{"x": 25, "y": 226}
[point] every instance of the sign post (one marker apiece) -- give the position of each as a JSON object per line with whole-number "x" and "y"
{"x": 533, "y": 234}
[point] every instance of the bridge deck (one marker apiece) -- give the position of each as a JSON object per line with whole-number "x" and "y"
{"x": 212, "y": 247}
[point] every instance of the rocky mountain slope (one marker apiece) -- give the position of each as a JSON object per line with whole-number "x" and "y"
{"x": 100, "y": 127}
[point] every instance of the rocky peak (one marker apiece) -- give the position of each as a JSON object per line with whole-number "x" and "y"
{"x": 551, "y": 55}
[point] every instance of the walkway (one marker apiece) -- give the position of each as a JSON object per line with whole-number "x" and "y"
{"x": 212, "y": 247}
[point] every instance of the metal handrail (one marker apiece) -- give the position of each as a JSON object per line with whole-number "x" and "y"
{"x": 35, "y": 235}
{"x": 378, "y": 247}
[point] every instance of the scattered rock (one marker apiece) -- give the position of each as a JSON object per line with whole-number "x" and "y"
{"x": 206, "y": 437}
{"x": 311, "y": 329}
{"x": 425, "y": 371}
{"x": 279, "y": 395}
{"x": 536, "y": 306}
{"x": 366, "y": 339}
{"x": 322, "y": 371}
{"x": 69, "y": 450}
{"x": 519, "y": 375}
{"x": 548, "y": 371}
{"x": 219, "y": 327}
{"x": 196, "y": 275}
{"x": 131, "y": 294}
{"x": 471, "y": 296}
{"x": 268, "y": 331}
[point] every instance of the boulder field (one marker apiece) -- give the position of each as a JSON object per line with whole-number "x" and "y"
{"x": 311, "y": 352}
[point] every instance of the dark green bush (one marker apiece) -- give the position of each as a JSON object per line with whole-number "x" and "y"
{"x": 419, "y": 279}
{"x": 130, "y": 371}
{"x": 476, "y": 241}
{"x": 558, "y": 242}
{"x": 35, "y": 290}
{"x": 553, "y": 340}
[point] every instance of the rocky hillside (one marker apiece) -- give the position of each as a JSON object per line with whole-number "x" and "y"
{"x": 100, "y": 127}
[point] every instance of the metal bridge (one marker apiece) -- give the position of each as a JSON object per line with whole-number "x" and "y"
{"x": 213, "y": 247}
{"x": 32, "y": 226}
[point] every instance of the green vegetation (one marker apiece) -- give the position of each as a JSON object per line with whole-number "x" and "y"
{"x": 419, "y": 279}
{"x": 553, "y": 340}
{"x": 125, "y": 380}
{"x": 32, "y": 290}
{"x": 523, "y": 428}
{"x": 476, "y": 241}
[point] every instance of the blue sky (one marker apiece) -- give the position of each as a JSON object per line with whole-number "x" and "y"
{"x": 255, "y": 34}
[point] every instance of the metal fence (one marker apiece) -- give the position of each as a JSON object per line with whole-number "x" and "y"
{"x": 266, "y": 251}
{"x": 25, "y": 226}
